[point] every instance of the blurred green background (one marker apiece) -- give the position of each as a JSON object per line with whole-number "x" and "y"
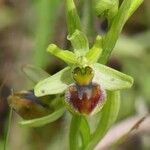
{"x": 26, "y": 29}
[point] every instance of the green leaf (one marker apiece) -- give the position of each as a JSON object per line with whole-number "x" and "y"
{"x": 44, "y": 120}
{"x": 73, "y": 20}
{"x": 79, "y": 42}
{"x": 34, "y": 73}
{"x": 55, "y": 84}
{"x": 8, "y": 129}
{"x": 126, "y": 9}
{"x": 44, "y": 26}
{"x": 65, "y": 55}
{"x": 87, "y": 17}
{"x": 108, "y": 115}
{"x": 94, "y": 53}
{"x": 111, "y": 79}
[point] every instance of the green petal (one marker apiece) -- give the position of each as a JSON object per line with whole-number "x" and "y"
{"x": 65, "y": 55}
{"x": 34, "y": 73}
{"x": 44, "y": 120}
{"x": 111, "y": 79}
{"x": 54, "y": 84}
{"x": 73, "y": 20}
{"x": 79, "y": 42}
{"x": 94, "y": 53}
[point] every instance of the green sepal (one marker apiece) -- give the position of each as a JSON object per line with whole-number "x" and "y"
{"x": 43, "y": 120}
{"x": 55, "y": 84}
{"x": 65, "y": 55}
{"x": 95, "y": 52}
{"x": 34, "y": 73}
{"x": 72, "y": 18}
{"x": 111, "y": 79}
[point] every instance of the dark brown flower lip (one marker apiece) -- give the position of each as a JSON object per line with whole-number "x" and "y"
{"x": 85, "y": 99}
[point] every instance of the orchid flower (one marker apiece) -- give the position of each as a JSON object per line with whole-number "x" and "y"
{"x": 85, "y": 82}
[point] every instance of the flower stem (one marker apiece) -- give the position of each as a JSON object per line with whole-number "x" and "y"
{"x": 125, "y": 11}
{"x": 85, "y": 132}
{"x": 74, "y": 132}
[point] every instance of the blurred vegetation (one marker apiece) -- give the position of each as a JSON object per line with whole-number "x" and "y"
{"x": 27, "y": 27}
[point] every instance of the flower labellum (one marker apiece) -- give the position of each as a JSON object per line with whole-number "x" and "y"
{"x": 84, "y": 97}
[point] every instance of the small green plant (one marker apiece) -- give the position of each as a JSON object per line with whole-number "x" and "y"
{"x": 86, "y": 86}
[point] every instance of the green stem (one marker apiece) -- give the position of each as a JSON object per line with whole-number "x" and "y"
{"x": 8, "y": 129}
{"x": 125, "y": 11}
{"x": 85, "y": 132}
{"x": 108, "y": 116}
{"x": 74, "y": 132}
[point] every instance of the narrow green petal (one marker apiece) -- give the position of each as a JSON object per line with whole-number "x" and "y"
{"x": 94, "y": 53}
{"x": 72, "y": 18}
{"x": 55, "y": 84}
{"x": 79, "y": 42}
{"x": 44, "y": 120}
{"x": 65, "y": 55}
{"x": 111, "y": 79}
{"x": 34, "y": 73}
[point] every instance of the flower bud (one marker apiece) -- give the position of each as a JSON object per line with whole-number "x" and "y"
{"x": 85, "y": 100}
{"x": 105, "y": 7}
{"x": 27, "y": 105}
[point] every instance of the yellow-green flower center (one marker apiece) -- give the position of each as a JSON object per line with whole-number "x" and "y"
{"x": 83, "y": 76}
